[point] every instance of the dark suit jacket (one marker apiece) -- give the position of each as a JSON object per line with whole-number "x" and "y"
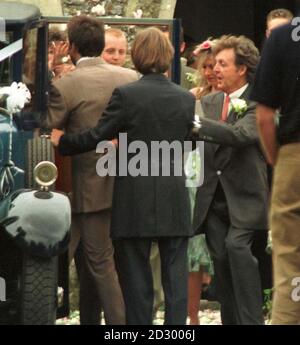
{"x": 76, "y": 103}
{"x": 233, "y": 158}
{"x": 151, "y": 109}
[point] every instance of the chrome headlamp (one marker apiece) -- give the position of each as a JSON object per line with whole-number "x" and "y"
{"x": 45, "y": 174}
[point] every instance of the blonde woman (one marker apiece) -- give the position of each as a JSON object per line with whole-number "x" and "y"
{"x": 200, "y": 264}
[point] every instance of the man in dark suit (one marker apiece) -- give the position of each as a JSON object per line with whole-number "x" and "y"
{"x": 231, "y": 205}
{"x": 76, "y": 102}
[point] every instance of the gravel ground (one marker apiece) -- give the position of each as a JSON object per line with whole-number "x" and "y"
{"x": 207, "y": 317}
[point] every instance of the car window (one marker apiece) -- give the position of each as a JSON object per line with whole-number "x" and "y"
{"x": 130, "y": 31}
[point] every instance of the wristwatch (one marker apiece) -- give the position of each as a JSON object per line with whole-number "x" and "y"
{"x": 64, "y": 59}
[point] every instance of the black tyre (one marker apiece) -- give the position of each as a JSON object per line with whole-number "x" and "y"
{"x": 38, "y": 149}
{"x": 38, "y": 291}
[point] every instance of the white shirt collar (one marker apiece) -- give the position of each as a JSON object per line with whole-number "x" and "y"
{"x": 234, "y": 95}
{"x": 85, "y": 58}
{"x": 238, "y": 93}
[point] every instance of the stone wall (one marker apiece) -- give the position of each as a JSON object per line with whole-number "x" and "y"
{"x": 47, "y": 8}
{"x": 123, "y": 8}
{"x": 112, "y": 7}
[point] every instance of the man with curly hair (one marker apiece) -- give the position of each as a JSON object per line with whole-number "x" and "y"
{"x": 231, "y": 204}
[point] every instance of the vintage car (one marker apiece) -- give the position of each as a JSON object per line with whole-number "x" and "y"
{"x": 35, "y": 215}
{"x": 34, "y": 219}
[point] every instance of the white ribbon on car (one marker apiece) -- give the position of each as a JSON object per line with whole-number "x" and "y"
{"x": 18, "y": 95}
{"x": 9, "y": 170}
{"x": 11, "y": 49}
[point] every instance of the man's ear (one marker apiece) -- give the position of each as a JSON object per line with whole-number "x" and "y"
{"x": 73, "y": 52}
{"x": 242, "y": 70}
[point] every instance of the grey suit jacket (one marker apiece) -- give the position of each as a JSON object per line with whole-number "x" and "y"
{"x": 76, "y": 103}
{"x": 233, "y": 158}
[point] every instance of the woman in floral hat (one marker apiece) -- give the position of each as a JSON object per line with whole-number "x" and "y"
{"x": 200, "y": 264}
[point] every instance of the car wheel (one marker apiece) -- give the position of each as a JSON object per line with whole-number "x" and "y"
{"x": 38, "y": 291}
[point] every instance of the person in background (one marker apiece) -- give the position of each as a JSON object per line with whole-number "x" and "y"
{"x": 277, "y": 86}
{"x": 59, "y": 61}
{"x": 277, "y": 17}
{"x": 187, "y": 69}
{"x": 76, "y": 102}
{"x": 207, "y": 80}
{"x": 187, "y": 73}
{"x": 115, "y": 49}
{"x": 147, "y": 208}
{"x": 59, "y": 64}
{"x": 200, "y": 263}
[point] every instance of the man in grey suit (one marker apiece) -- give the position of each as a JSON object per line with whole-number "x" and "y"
{"x": 231, "y": 205}
{"x": 77, "y": 102}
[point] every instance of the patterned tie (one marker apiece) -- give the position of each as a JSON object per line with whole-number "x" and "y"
{"x": 225, "y": 108}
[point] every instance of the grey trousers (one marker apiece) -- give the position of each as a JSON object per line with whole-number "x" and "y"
{"x": 236, "y": 268}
